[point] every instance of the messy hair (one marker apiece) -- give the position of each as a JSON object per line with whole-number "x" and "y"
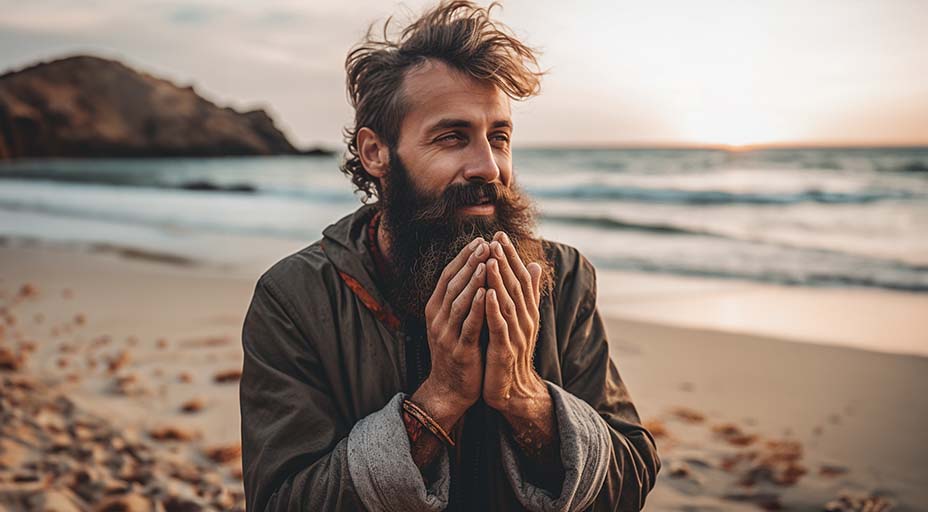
{"x": 458, "y": 33}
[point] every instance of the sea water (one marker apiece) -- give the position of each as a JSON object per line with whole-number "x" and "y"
{"x": 806, "y": 217}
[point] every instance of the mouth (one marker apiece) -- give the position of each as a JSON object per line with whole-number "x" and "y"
{"x": 482, "y": 207}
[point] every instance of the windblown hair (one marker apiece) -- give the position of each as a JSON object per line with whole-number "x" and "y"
{"x": 458, "y": 33}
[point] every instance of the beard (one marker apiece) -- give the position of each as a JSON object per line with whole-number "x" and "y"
{"x": 426, "y": 233}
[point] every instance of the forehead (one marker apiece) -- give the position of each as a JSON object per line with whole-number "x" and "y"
{"x": 435, "y": 91}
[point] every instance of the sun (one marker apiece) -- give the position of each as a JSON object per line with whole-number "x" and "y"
{"x": 733, "y": 127}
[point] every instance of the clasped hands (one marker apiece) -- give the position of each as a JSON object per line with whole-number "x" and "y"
{"x": 486, "y": 282}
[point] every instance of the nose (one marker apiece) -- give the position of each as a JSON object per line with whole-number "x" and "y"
{"x": 482, "y": 164}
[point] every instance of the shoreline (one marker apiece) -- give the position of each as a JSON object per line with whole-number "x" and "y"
{"x": 877, "y": 320}
{"x": 139, "y": 341}
{"x": 873, "y": 319}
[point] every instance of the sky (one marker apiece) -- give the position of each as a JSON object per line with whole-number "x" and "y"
{"x": 829, "y": 72}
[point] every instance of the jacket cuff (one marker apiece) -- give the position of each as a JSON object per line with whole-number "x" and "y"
{"x": 382, "y": 469}
{"x": 585, "y": 450}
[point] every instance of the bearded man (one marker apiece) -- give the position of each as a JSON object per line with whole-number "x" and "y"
{"x": 431, "y": 352}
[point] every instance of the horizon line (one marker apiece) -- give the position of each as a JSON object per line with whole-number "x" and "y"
{"x": 728, "y": 147}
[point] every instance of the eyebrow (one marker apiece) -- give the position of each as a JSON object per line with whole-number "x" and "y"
{"x": 446, "y": 123}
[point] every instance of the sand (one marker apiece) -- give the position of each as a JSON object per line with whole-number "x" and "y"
{"x": 149, "y": 350}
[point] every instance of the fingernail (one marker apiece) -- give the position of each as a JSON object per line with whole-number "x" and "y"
{"x": 480, "y": 269}
{"x": 475, "y": 242}
{"x": 505, "y": 238}
{"x": 499, "y": 249}
{"x": 479, "y": 250}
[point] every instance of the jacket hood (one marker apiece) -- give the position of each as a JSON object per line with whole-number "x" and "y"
{"x": 345, "y": 244}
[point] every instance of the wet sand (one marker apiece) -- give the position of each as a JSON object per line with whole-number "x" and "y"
{"x": 137, "y": 359}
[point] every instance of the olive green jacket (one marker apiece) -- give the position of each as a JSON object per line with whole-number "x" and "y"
{"x": 326, "y": 366}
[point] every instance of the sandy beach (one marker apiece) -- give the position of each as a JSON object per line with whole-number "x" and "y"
{"x": 134, "y": 360}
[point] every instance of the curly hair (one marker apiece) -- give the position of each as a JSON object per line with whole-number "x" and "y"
{"x": 457, "y": 32}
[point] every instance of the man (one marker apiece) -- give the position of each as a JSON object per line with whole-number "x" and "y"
{"x": 430, "y": 352}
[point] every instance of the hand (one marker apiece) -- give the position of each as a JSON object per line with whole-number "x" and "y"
{"x": 510, "y": 383}
{"x": 454, "y": 317}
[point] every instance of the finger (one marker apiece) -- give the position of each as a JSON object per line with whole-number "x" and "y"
{"x": 534, "y": 269}
{"x": 514, "y": 287}
{"x": 464, "y": 276}
{"x": 507, "y": 306}
{"x": 462, "y": 304}
{"x": 510, "y": 281}
{"x": 449, "y": 271}
{"x": 496, "y": 324}
{"x": 517, "y": 266}
{"x": 470, "y": 329}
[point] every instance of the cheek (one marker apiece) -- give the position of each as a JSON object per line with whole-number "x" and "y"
{"x": 438, "y": 174}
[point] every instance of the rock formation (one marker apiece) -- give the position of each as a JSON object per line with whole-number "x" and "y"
{"x": 85, "y": 106}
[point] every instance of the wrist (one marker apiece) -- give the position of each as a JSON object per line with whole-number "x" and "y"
{"x": 444, "y": 407}
{"x": 534, "y": 403}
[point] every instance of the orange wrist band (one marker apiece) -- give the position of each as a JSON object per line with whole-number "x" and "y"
{"x": 422, "y": 417}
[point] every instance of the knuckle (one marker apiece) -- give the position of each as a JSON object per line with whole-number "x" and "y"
{"x": 509, "y": 308}
{"x": 456, "y": 279}
{"x": 507, "y": 357}
{"x": 457, "y": 307}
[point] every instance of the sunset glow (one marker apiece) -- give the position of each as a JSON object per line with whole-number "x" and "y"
{"x": 619, "y": 73}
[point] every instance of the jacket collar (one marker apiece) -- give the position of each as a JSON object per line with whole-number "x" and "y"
{"x": 345, "y": 244}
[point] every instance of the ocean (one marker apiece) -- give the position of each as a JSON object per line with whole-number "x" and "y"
{"x": 805, "y": 217}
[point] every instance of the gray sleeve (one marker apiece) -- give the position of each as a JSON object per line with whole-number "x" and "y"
{"x": 382, "y": 469}
{"x": 585, "y": 452}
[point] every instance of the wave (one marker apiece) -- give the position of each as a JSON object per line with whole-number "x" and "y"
{"x": 914, "y": 166}
{"x": 582, "y": 192}
{"x": 125, "y": 180}
{"x": 197, "y": 185}
{"x": 814, "y": 279}
{"x": 717, "y": 197}
{"x": 611, "y": 223}
{"x": 153, "y": 179}
{"x": 658, "y": 228}
{"x": 208, "y": 186}
{"x": 755, "y": 260}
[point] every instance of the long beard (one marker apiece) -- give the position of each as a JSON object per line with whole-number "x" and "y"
{"x": 427, "y": 233}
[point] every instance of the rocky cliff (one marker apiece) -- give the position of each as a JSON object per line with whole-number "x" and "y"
{"x": 86, "y": 106}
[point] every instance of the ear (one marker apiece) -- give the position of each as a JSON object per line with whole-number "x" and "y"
{"x": 374, "y": 154}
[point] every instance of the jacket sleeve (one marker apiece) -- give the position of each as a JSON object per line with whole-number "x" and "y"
{"x": 298, "y": 452}
{"x": 585, "y": 451}
{"x": 610, "y": 460}
{"x": 589, "y": 374}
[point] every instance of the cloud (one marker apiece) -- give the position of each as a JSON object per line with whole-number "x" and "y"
{"x": 620, "y": 71}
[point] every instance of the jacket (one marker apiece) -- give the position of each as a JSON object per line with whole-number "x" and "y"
{"x": 326, "y": 366}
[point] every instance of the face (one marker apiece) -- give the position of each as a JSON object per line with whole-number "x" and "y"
{"x": 456, "y": 131}
{"x": 449, "y": 181}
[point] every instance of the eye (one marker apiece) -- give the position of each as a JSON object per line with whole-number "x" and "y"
{"x": 449, "y": 136}
{"x": 500, "y": 137}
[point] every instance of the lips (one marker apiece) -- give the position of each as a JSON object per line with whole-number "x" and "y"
{"x": 482, "y": 200}
{"x": 484, "y": 207}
